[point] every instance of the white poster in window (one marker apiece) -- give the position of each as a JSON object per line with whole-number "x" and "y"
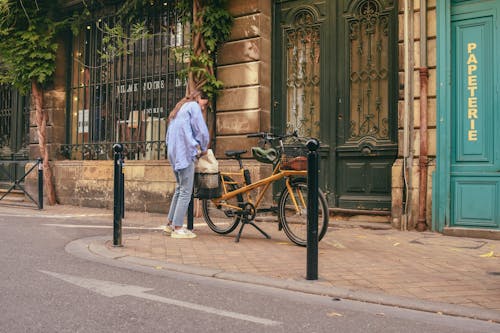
{"x": 83, "y": 121}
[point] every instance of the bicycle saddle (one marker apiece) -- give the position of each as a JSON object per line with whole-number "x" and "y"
{"x": 235, "y": 153}
{"x": 264, "y": 155}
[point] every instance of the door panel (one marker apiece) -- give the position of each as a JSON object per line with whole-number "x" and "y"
{"x": 475, "y": 202}
{"x": 475, "y": 155}
{"x": 367, "y": 105}
{"x": 335, "y": 75}
{"x": 301, "y": 65}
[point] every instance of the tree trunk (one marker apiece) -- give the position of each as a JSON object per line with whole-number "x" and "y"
{"x": 42, "y": 118}
{"x": 197, "y": 80}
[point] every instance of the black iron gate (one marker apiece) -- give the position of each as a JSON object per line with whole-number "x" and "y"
{"x": 14, "y": 134}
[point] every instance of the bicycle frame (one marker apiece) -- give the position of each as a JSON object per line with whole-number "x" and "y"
{"x": 265, "y": 182}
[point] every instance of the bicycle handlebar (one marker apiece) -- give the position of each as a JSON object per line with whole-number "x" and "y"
{"x": 257, "y": 135}
{"x": 271, "y": 136}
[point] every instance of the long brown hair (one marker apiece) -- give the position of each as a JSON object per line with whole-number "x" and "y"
{"x": 189, "y": 98}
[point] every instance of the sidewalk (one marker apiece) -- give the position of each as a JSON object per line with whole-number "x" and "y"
{"x": 410, "y": 268}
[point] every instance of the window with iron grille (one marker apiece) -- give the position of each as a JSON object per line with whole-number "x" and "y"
{"x": 127, "y": 97}
{"x": 14, "y": 124}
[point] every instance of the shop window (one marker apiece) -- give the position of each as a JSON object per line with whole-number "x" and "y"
{"x": 125, "y": 97}
{"x": 14, "y": 124}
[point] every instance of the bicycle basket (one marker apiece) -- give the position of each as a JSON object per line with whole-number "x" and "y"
{"x": 207, "y": 185}
{"x": 294, "y": 157}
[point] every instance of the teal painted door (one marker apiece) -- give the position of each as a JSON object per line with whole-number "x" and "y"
{"x": 475, "y": 116}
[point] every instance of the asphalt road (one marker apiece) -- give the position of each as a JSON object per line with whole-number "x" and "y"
{"x": 43, "y": 288}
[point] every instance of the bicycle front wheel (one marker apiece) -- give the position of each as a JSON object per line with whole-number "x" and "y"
{"x": 222, "y": 216}
{"x": 293, "y": 212}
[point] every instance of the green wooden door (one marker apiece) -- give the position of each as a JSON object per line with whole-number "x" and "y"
{"x": 475, "y": 116}
{"x": 334, "y": 78}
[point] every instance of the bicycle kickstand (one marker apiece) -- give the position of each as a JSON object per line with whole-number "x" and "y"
{"x": 243, "y": 223}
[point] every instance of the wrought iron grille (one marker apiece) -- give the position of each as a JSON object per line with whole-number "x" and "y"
{"x": 126, "y": 98}
{"x": 303, "y": 74}
{"x": 369, "y": 63}
{"x": 14, "y": 124}
{"x": 5, "y": 119}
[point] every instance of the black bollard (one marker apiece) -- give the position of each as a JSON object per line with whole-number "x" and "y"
{"x": 190, "y": 214}
{"x": 117, "y": 195}
{"x": 40, "y": 183}
{"x": 312, "y": 209}
{"x": 122, "y": 186}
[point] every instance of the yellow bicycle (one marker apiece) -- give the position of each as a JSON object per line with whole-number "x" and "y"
{"x": 237, "y": 203}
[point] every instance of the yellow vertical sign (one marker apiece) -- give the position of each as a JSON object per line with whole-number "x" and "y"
{"x": 472, "y": 91}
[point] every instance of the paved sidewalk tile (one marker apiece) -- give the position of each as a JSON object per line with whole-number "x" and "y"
{"x": 426, "y": 266}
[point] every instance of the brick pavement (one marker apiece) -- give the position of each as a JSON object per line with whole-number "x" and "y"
{"x": 426, "y": 266}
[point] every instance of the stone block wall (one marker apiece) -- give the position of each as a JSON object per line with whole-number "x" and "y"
{"x": 149, "y": 185}
{"x": 243, "y": 65}
{"x": 400, "y": 186}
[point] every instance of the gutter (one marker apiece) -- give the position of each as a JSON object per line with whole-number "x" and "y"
{"x": 408, "y": 112}
{"x": 424, "y": 145}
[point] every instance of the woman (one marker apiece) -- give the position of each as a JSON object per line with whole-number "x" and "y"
{"x": 187, "y": 139}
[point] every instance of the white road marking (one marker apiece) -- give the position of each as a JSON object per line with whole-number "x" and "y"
{"x": 58, "y": 216}
{"x": 113, "y": 289}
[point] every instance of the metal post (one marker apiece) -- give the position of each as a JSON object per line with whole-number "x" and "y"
{"x": 312, "y": 209}
{"x": 122, "y": 186}
{"x": 40, "y": 183}
{"x": 117, "y": 196}
{"x": 190, "y": 213}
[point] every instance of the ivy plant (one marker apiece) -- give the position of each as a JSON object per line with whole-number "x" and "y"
{"x": 28, "y": 46}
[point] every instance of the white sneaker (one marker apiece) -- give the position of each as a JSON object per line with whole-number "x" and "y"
{"x": 182, "y": 233}
{"x": 167, "y": 229}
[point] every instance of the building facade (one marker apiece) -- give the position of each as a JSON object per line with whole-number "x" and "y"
{"x": 403, "y": 96}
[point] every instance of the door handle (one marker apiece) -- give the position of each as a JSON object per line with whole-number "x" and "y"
{"x": 366, "y": 151}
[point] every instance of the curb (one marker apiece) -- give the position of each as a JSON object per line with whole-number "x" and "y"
{"x": 95, "y": 249}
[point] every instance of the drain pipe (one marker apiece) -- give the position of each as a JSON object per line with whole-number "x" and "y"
{"x": 422, "y": 159}
{"x": 408, "y": 111}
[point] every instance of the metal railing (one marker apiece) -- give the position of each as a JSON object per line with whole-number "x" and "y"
{"x": 18, "y": 183}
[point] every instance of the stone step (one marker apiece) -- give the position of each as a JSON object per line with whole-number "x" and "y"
{"x": 13, "y": 196}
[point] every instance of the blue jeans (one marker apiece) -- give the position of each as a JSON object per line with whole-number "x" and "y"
{"x": 182, "y": 195}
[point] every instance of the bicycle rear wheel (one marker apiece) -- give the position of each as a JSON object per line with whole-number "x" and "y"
{"x": 294, "y": 218}
{"x": 220, "y": 217}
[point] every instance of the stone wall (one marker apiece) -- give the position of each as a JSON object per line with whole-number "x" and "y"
{"x": 243, "y": 64}
{"x": 398, "y": 181}
{"x": 149, "y": 185}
